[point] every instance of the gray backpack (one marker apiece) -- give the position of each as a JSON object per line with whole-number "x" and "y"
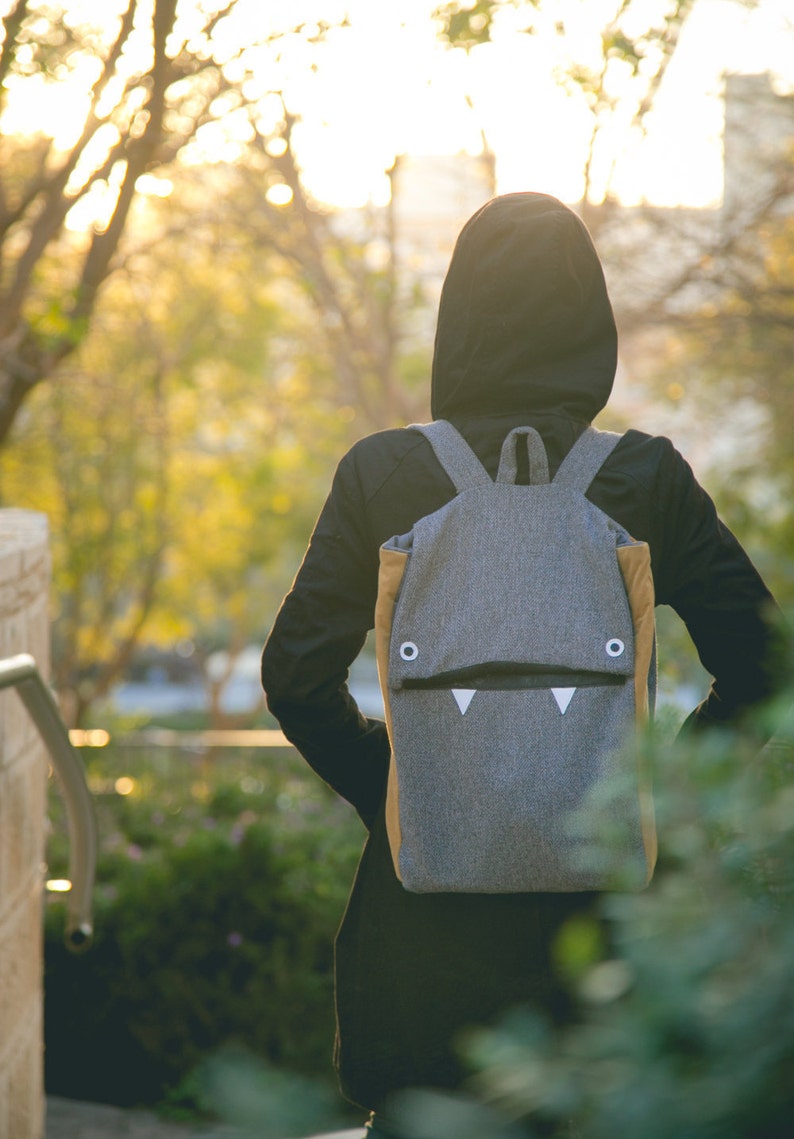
{"x": 516, "y": 651}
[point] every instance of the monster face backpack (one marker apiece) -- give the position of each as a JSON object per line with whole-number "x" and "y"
{"x": 516, "y": 651}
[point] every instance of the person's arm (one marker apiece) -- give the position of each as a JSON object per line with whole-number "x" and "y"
{"x": 711, "y": 583}
{"x": 319, "y": 631}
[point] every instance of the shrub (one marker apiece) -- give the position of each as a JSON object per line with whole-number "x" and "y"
{"x": 216, "y": 910}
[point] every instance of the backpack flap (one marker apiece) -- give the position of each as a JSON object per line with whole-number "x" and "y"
{"x": 483, "y": 596}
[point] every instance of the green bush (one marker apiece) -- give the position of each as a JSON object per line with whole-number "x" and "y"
{"x": 217, "y": 904}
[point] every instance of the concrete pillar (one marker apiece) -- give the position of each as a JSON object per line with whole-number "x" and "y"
{"x": 24, "y": 628}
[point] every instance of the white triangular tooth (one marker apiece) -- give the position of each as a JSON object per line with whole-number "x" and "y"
{"x": 563, "y": 697}
{"x": 463, "y": 697}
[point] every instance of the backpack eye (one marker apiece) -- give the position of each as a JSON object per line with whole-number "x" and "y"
{"x": 409, "y": 651}
{"x": 615, "y": 647}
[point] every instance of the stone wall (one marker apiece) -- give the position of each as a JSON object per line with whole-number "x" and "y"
{"x": 24, "y": 628}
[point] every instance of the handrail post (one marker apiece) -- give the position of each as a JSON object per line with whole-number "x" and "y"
{"x": 20, "y": 672}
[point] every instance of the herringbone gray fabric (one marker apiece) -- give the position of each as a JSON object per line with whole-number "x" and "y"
{"x": 583, "y": 462}
{"x": 455, "y": 455}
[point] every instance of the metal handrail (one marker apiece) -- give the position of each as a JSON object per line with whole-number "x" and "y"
{"x": 20, "y": 672}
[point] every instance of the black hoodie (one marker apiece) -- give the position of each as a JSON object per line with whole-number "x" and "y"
{"x": 525, "y": 335}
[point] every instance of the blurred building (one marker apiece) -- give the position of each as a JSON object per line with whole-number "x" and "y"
{"x": 672, "y": 258}
{"x": 431, "y": 198}
{"x": 663, "y": 263}
{"x": 758, "y": 147}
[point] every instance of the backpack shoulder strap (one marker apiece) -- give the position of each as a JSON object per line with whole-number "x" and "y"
{"x": 454, "y": 454}
{"x": 585, "y": 459}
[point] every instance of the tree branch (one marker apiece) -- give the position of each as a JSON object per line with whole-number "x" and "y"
{"x": 11, "y": 25}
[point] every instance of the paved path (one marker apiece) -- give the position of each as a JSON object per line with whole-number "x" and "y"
{"x": 70, "y": 1119}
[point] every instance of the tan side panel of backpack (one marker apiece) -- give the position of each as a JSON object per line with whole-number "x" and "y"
{"x": 635, "y": 566}
{"x": 392, "y": 569}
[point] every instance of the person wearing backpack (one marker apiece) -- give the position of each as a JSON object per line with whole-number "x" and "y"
{"x": 525, "y": 351}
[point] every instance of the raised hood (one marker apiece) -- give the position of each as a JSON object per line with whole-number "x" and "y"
{"x": 525, "y": 323}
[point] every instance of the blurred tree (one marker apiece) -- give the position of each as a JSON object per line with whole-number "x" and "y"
{"x": 338, "y": 270}
{"x": 178, "y": 498}
{"x": 731, "y": 363}
{"x": 99, "y": 449}
{"x": 90, "y": 109}
{"x": 174, "y": 503}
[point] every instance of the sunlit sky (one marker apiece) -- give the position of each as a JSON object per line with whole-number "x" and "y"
{"x": 384, "y": 85}
{"x": 387, "y": 86}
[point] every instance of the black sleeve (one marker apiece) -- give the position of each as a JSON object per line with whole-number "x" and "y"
{"x": 319, "y": 631}
{"x": 707, "y": 577}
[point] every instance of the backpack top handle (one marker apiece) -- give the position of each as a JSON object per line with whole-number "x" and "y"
{"x": 538, "y": 460}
